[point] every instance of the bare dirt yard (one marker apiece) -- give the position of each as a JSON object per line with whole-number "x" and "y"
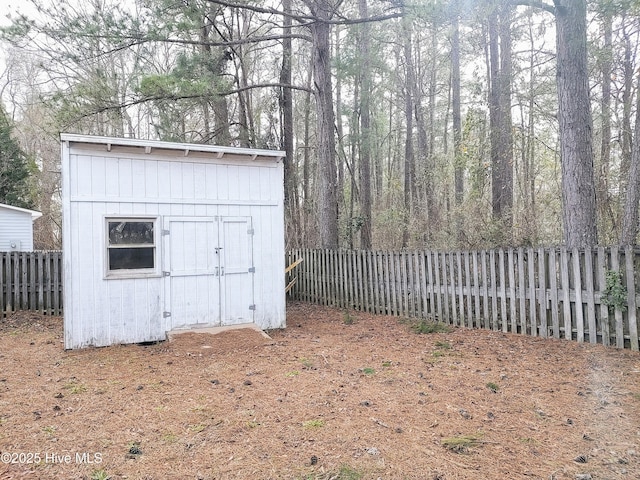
{"x": 335, "y": 395}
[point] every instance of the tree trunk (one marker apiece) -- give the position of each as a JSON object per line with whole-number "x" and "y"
{"x": 574, "y": 113}
{"x": 602, "y": 192}
{"x": 341, "y": 153}
{"x": 365, "y": 129}
{"x": 630, "y": 218}
{"x": 458, "y": 161}
{"x": 325, "y": 124}
{"x": 286, "y": 138}
{"x": 408, "y": 149}
{"x": 506, "y": 136}
{"x": 221, "y": 134}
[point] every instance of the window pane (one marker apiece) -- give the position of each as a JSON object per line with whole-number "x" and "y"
{"x": 130, "y": 233}
{"x": 131, "y": 258}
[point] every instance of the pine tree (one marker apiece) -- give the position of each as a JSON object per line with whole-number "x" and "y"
{"x": 14, "y": 168}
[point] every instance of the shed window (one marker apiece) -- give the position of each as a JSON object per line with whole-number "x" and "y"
{"x": 131, "y": 245}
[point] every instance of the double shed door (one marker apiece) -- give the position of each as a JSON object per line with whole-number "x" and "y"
{"x": 208, "y": 271}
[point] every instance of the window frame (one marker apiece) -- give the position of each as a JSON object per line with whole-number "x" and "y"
{"x": 132, "y": 272}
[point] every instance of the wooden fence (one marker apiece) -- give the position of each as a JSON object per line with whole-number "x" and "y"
{"x": 541, "y": 292}
{"x": 31, "y": 281}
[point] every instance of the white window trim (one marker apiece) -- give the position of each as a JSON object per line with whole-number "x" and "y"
{"x": 132, "y": 273}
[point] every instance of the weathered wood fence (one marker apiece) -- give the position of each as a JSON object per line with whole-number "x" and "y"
{"x": 541, "y": 292}
{"x": 31, "y": 281}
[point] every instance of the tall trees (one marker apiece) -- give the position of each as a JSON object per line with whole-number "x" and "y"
{"x": 500, "y": 113}
{"x": 231, "y": 72}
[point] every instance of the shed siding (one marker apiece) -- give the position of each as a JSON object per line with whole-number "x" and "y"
{"x": 101, "y": 184}
{"x": 15, "y": 226}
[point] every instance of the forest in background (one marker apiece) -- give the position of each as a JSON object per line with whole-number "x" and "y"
{"x": 445, "y": 124}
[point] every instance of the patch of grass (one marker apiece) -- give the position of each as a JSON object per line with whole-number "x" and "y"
{"x": 75, "y": 388}
{"x": 345, "y": 472}
{"x": 387, "y": 364}
{"x": 292, "y": 373}
{"x": 170, "y": 438}
{"x": 368, "y": 371}
{"x": 253, "y": 424}
{"x": 528, "y": 440}
{"x": 493, "y": 387}
{"x": 462, "y": 443}
{"x": 348, "y": 473}
{"x": 437, "y": 354}
{"x": 347, "y": 318}
{"x": 443, "y": 345}
{"x": 197, "y": 428}
{"x": 426, "y": 327}
{"x": 306, "y": 363}
{"x": 99, "y": 475}
{"x": 49, "y": 430}
{"x": 635, "y": 396}
{"x": 317, "y": 423}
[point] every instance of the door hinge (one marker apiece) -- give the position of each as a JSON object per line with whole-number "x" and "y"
{"x": 252, "y": 307}
{"x": 166, "y": 274}
{"x": 251, "y": 231}
{"x": 165, "y": 232}
{"x": 166, "y": 314}
{"x": 252, "y": 269}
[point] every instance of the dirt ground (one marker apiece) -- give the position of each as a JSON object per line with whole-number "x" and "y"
{"x": 335, "y": 395}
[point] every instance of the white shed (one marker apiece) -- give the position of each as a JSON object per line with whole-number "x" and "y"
{"x": 16, "y": 228}
{"x": 162, "y": 236}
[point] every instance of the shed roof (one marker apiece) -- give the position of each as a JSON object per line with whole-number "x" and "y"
{"x": 34, "y": 214}
{"x": 148, "y": 146}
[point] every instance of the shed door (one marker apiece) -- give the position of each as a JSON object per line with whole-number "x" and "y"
{"x": 236, "y": 280}
{"x": 192, "y": 287}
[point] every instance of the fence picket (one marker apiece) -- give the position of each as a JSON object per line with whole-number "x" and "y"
{"x": 615, "y": 267}
{"x": 436, "y": 272}
{"x": 631, "y": 296}
{"x": 512, "y": 291}
{"x": 522, "y": 291}
{"x": 445, "y": 287}
{"x": 476, "y": 289}
{"x": 533, "y": 308}
{"x": 494, "y": 290}
{"x": 578, "y": 289}
{"x": 467, "y": 274}
{"x": 591, "y": 306}
{"x": 542, "y": 293}
{"x": 459, "y": 287}
{"x": 553, "y": 291}
{"x": 601, "y": 268}
{"x": 503, "y": 292}
{"x": 485, "y": 290}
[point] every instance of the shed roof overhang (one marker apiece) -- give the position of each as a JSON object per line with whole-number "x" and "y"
{"x": 156, "y": 146}
{"x": 34, "y": 214}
